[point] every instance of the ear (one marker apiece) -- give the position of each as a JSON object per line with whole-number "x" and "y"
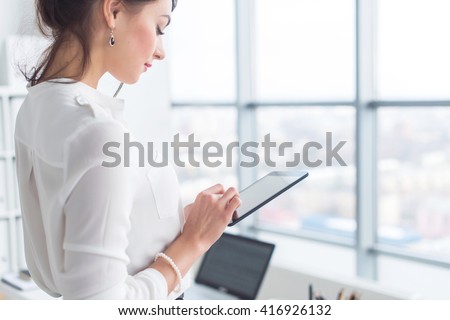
{"x": 110, "y": 10}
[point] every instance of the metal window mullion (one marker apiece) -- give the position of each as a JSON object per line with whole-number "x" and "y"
{"x": 409, "y": 255}
{"x": 201, "y": 104}
{"x": 366, "y": 140}
{"x": 315, "y": 236}
{"x": 301, "y": 103}
{"x": 245, "y": 93}
{"x": 408, "y": 104}
{"x": 265, "y": 104}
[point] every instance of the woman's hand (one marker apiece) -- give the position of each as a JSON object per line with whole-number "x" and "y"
{"x": 187, "y": 211}
{"x": 208, "y": 216}
{"x": 206, "y": 219}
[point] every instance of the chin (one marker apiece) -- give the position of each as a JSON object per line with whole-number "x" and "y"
{"x": 128, "y": 79}
{"x": 131, "y": 80}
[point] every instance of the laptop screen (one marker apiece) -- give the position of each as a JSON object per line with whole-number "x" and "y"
{"x": 236, "y": 265}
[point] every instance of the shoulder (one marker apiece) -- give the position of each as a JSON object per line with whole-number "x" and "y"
{"x": 66, "y": 98}
{"x": 56, "y": 115}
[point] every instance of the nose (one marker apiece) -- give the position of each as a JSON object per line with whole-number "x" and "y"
{"x": 159, "y": 51}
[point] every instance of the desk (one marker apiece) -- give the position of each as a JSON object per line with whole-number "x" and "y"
{"x": 288, "y": 284}
{"x": 11, "y": 293}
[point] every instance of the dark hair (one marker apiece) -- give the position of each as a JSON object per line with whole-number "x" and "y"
{"x": 60, "y": 19}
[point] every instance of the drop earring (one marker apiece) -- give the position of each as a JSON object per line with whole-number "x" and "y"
{"x": 112, "y": 40}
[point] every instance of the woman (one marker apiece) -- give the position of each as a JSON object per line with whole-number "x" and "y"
{"x": 92, "y": 231}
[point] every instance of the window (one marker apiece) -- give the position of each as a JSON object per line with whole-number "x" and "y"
{"x": 305, "y": 50}
{"x": 413, "y": 51}
{"x": 413, "y": 138}
{"x": 305, "y": 206}
{"x": 414, "y": 179}
{"x": 203, "y": 74}
{"x": 221, "y": 128}
{"x": 204, "y": 35}
{"x": 307, "y": 54}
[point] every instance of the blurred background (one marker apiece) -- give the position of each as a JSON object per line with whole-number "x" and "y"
{"x": 375, "y": 74}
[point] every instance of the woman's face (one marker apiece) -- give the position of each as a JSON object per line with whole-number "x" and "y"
{"x": 138, "y": 40}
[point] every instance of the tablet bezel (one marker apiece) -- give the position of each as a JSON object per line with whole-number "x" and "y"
{"x": 301, "y": 175}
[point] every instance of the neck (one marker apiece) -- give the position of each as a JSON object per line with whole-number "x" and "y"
{"x": 67, "y": 64}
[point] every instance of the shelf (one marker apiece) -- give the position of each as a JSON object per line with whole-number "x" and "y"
{"x": 11, "y": 97}
{"x": 6, "y": 215}
{"x": 12, "y": 92}
{"x": 14, "y": 294}
{"x": 7, "y": 154}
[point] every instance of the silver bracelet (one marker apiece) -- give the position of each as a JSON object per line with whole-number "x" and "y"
{"x": 174, "y": 267}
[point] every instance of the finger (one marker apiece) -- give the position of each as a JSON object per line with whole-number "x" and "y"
{"x": 187, "y": 210}
{"x": 218, "y": 188}
{"x": 233, "y": 205}
{"x": 228, "y": 195}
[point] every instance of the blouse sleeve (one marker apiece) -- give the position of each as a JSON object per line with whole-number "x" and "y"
{"x": 97, "y": 204}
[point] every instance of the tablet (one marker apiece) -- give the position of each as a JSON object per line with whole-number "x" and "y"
{"x": 265, "y": 190}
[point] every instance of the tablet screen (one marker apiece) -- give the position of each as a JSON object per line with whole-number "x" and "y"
{"x": 265, "y": 190}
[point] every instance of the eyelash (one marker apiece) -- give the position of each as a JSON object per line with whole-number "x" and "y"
{"x": 158, "y": 30}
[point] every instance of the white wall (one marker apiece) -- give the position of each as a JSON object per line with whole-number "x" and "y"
{"x": 147, "y": 103}
{"x": 16, "y": 16}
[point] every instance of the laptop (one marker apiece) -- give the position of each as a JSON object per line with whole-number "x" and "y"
{"x": 233, "y": 268}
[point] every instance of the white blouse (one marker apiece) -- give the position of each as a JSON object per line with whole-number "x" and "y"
{"x": 90, "y": 231}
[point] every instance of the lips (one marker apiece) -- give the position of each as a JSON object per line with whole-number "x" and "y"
{"x": 147, "y": 66}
